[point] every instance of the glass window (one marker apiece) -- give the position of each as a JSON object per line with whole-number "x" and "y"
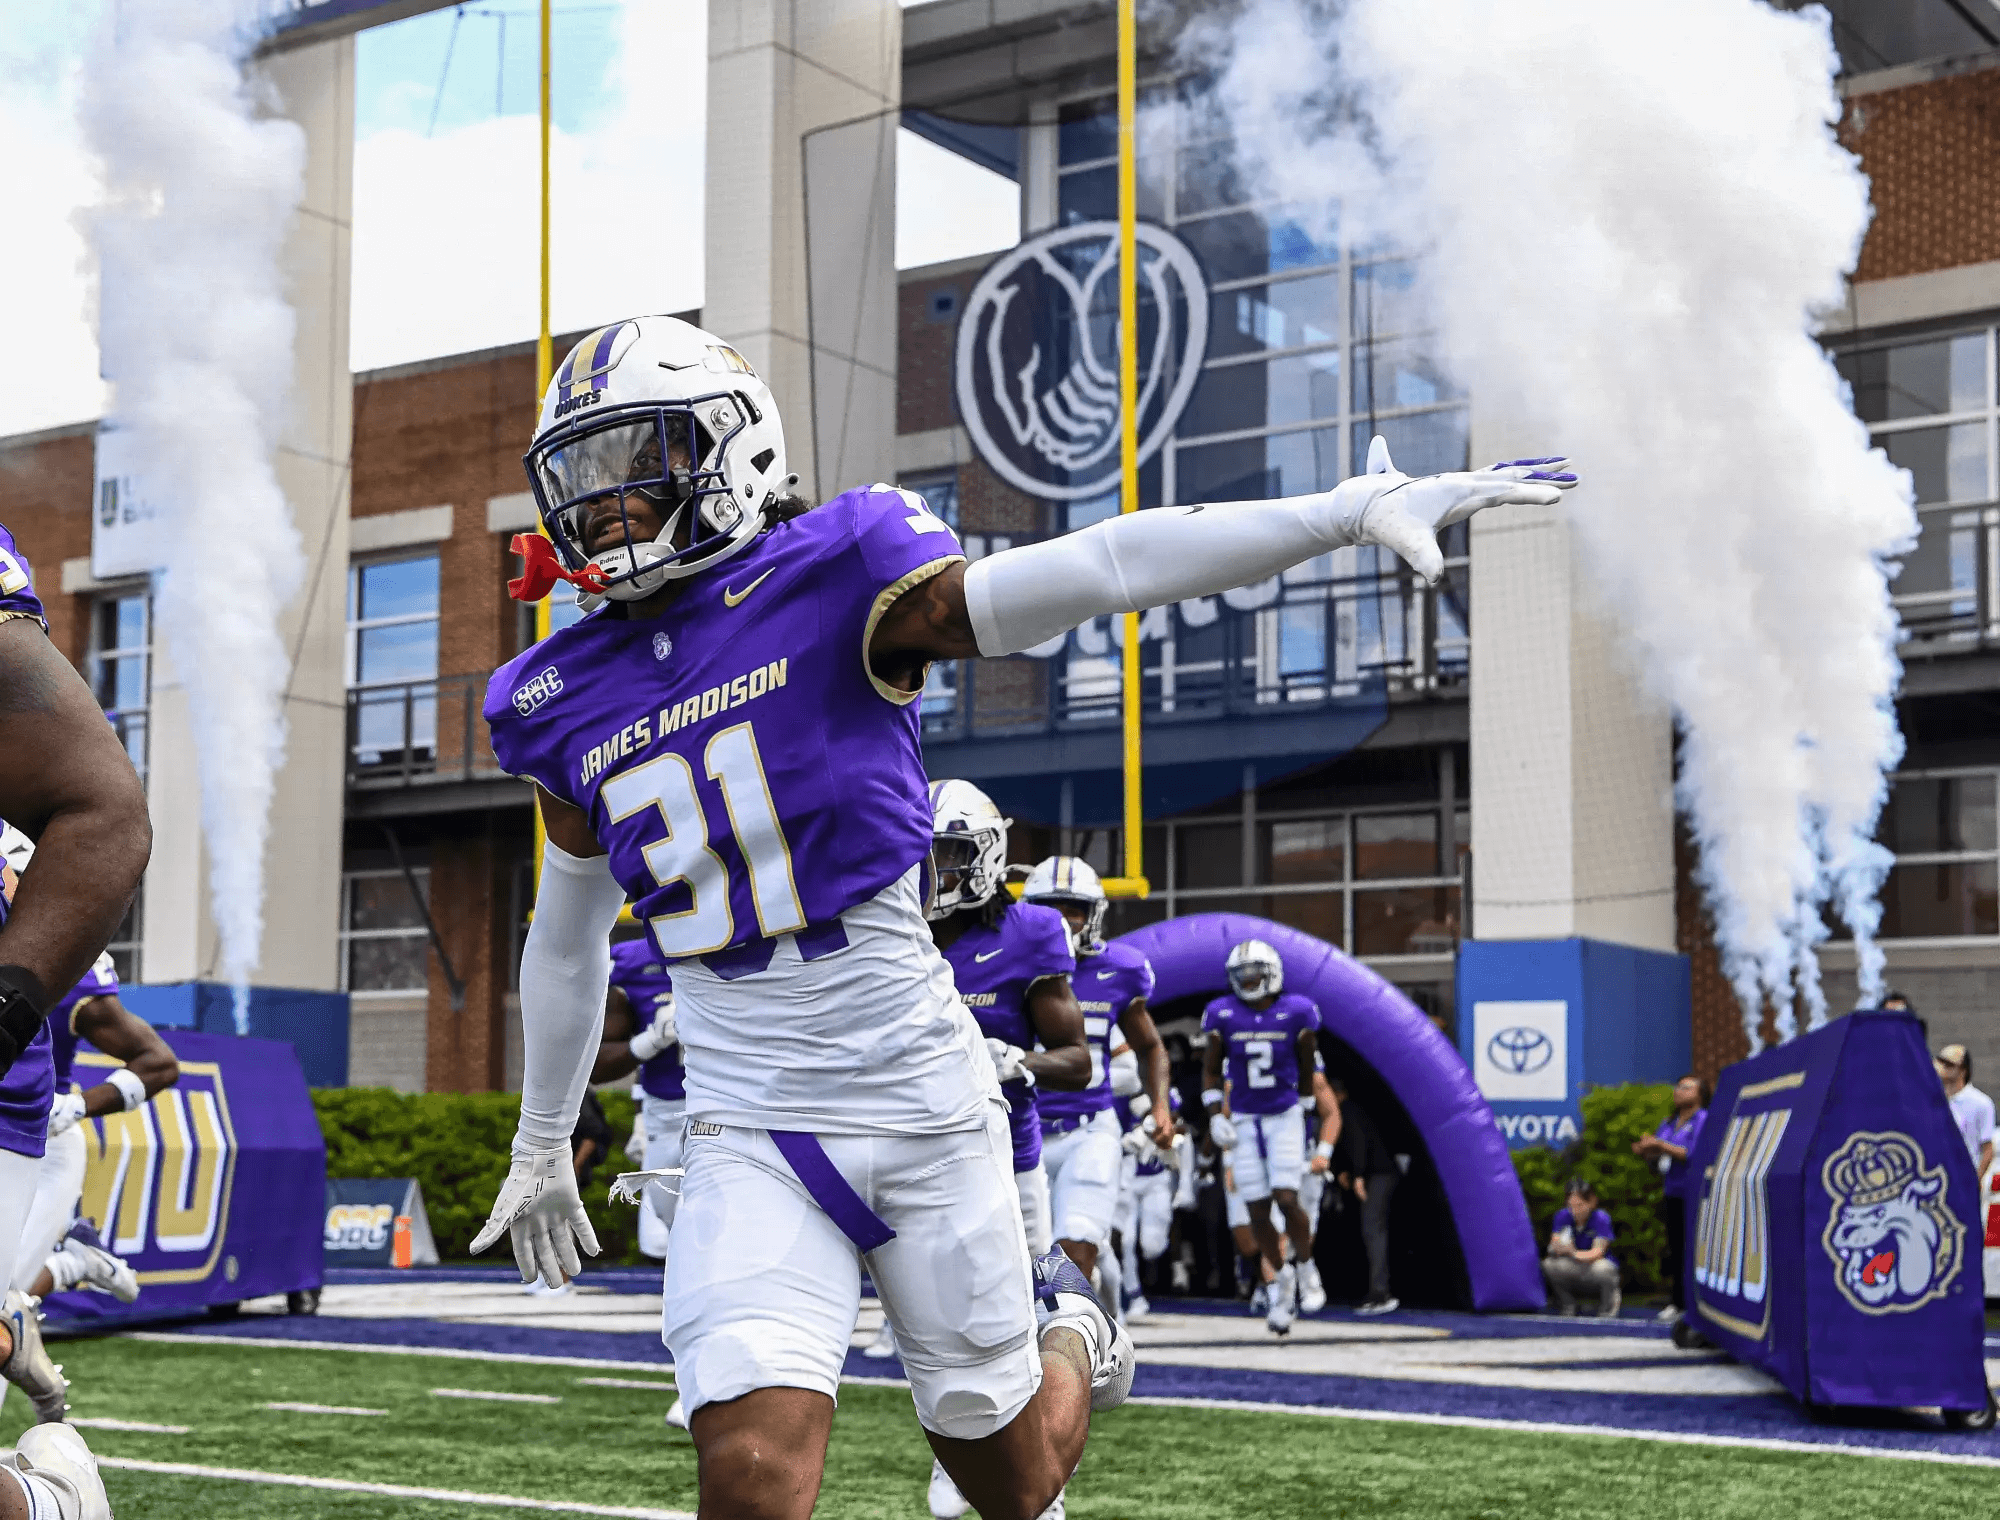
{"x": 121, "y": 666}
{"x": 1256, "y": 469}
{"x": 1946, "y": 464}
{"x": 1385, "y": 298}
{"x": 1241, "y": 244}
{"x": 1918, "y": 379}
{"x": 1929, "y": 815}
{"x": 1941, "y": 900}
{"x": 1320, "y": 914}
{"x": 1297, "y": 388}
{"x": 384, "y": 945}
{"x": 1302, "y": 851}
{"x": 1395, "y": 844}
{"x": 1425, "y": 443}
{"x": 1087, "y": 130}
{"x": 1398, "y": 374}
{"x": 940, "y": 493}
{"x": 1405, "y": 920}
{"x": 392, "y": 656}
{"x": 1208, "y": 855}
{"x": 1292, "y": 314}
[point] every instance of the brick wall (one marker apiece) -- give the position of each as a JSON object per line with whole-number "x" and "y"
{"x": 45, "y": 498}
{"x": 923, "y": 354}
{"x": 1932, "y": 153}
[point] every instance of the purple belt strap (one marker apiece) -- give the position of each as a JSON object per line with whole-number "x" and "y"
{"x": 831, "y": 1191}
{"x": 1263, "y": 1150}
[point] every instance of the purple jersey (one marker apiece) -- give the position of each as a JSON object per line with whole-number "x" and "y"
{"x": 749, "y": 774}
{"x": 1106, "y": 985}
{"x": 28, "y": 1086}
{"x": 1261, "y": 1048}
{"x": 636, "y": 971}
{"x": 101, "y": 980}
{"x": 994, "y": 968}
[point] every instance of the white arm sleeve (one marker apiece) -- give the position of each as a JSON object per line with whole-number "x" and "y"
{"x": 565, "y": 969}
{"x": 1020, "y": 597}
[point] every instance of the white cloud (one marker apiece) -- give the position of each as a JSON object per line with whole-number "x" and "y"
{"x": 948, "y": 207}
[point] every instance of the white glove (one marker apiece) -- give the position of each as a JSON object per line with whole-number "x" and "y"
{"x": 538, "y": 1205}
{"x": 65, "y": 1112}
{"x": 1125, "y": 1072}
{"x": 1406, "y": 513}
{"x": 655, "y": 1037}
{"x": 1141, "y": 1105}
{"x": 1222, "y": 1132}
{"x": 1009, "y": 1061}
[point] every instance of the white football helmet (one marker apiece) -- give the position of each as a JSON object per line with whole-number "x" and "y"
{"x": 655, "y": 407}
{"x": 1255, "y": 971}
{"x": 968, "y": 847}
{"x": 1062, "y": 881}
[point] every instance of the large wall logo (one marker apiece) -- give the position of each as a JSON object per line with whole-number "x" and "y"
{"x": 1037, "y": 356}
{"x": 1520, "y": 1050}
{"x": 157, "y": 1179}
{"x": 1894, "y": 1242}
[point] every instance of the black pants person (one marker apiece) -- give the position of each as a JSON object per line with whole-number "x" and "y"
{"x": 1375, "y": 1230}
{"x": 1673, "y": 1214}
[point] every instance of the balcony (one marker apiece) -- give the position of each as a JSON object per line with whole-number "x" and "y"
{"x": 422, "y": 746}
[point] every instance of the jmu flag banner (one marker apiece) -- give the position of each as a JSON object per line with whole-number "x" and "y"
{"x": 213, "y": 1191}
{"x": 1835, "y": 1238}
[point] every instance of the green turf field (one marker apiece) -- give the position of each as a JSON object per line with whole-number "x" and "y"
{"x": 607, "y": 1447}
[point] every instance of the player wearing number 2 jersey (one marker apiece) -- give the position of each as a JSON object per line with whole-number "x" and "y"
{"x": 730, "y": 738}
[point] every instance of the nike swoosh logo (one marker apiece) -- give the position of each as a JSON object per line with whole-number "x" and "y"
{"x": 1105, "y": 975}
{"x": 983, "y": 959}
{"x": 733, "y": 598}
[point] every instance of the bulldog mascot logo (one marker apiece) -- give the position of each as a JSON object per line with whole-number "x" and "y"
{"x": 1896, "y": 1244}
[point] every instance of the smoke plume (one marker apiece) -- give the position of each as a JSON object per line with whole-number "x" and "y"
{"x": 196, "y": 337}
{"x": 1627, "y": 216}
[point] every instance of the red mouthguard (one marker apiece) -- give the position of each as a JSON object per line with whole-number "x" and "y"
{"x": 541, "y": 570}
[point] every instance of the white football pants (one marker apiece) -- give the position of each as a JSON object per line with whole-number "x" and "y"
{"x": 1033, "y": 1186}
{"x": 58, "y": 1185}
{"x": 1270, "y": 1152}
{"x": 18, "y": 1176}
{"x": 1083, "y": 1178}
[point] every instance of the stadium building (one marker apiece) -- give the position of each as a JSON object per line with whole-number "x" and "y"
{"x": 1320, "y": 749}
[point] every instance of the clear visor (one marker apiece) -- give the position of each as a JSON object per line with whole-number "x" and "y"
{"x": 1251, "y": 980}
{"x": 651, "y": 457}
{"x": 952, "y": 854}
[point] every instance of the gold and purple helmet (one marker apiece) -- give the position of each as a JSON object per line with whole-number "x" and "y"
{"x": 1062, "y": 882}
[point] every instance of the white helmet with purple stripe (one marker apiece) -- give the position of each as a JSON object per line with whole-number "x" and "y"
{"x": 968, "y": 847}
{"x": 1255, "y": 971}
{"x": 1064, "y": 882}
{"x": 656, "y": 408}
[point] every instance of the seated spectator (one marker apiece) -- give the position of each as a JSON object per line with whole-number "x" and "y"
{"x": 1579, "y": 1257}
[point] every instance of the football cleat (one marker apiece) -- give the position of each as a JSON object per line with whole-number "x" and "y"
{"x": 1260, "y": 1298}
{"x": 1063, "y": 1297}
{"x": 884, "y": 1344}
{"x": 28, "y": 1366}
{"x": 1284, "y": 1302}
{"x": 86, "y": 1264}
{"x": 1312, "y": 1292}
{"x": 57, "y": 1466}
{"x": 1376, "y": 1306}
{"x": 946, "y": 1502}
{"x": 1139, "y": 1308}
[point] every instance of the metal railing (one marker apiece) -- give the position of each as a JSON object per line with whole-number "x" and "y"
{"x": 1946, "y": 594}
{"x": 1339, "y": 629}
{"x": 418, "y": 733}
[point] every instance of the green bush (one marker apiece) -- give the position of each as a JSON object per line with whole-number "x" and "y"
{"x": 456, "y": 1145}
{"x": 1628, "y": 1186}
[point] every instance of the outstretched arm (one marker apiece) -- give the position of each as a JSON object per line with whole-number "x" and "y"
{"x": 66, "y": 782}
{"x": 1022, "y": 597}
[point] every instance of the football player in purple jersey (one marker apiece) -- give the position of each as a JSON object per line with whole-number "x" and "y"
{"x": 66, "y": 782}
{"x": 1080, "y": 1135}
{"x": 729, "y": 737}
{"x": 1012, "y": 963}
{"x": 1267, "y": 1039}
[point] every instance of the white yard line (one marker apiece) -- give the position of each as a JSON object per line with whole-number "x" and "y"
{"x": 285, "y": 1407}
{"x": 391, "y": 1490}
{"x": 142, "y": 1426}
{"x": 447, "y": 1353}
{"x": 1543, "y": 1428}
{"x": 496, "y": 1398}
{"x": 601, "y": 1382}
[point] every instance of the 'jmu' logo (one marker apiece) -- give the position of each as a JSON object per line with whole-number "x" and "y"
{"x": 1890, "y": 1233}
{"x": 537, "y": 690}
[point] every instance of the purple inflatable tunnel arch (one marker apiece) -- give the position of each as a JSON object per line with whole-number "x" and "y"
{"x": 1428, "y": 1077}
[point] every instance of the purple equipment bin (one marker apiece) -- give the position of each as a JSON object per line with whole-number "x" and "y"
{"x": 1835, "y": 1241}
{"x": 214, "y": 1191}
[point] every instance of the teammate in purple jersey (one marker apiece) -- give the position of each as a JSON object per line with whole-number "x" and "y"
{"x": 1266, "y": 1037}
{"x": 729, "y": 737}
{"x": 1080, "y": 1134}
{"x": 1012, "y": 964}
{"x": 66, "y": 781}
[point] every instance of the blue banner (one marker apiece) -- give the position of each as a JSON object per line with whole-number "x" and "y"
{"x": 212, "y": 1191}
{"x": 1834, "y": 1241}
{"x": 363, "y": 1216}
